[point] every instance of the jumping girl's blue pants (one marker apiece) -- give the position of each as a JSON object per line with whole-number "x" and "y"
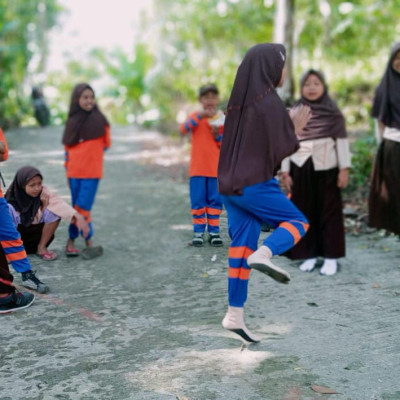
{"x": 83, "y": 193}
{"x": 206, "y": 204}
{"x": 259, "y": 203}
{"x": 10, "y": 240}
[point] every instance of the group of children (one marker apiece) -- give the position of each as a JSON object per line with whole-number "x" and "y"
{"x": 30, "y": 213}
{"x": 308, "y": 149}
{"x": 235, "y": 159}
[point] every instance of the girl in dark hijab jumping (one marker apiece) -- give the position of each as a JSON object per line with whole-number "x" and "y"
{"x": 86, "y": 137}
{"x": 258, "y": 134}
{"x": 315, "y": 174}
{"x": 384, "y": 198}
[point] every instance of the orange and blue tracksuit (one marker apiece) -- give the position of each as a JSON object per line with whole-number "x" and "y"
{"x": 204, "y": 197}
{"x": 263, "y": 202}
{"x": 11, "y": 246}
{"x": 84, "y": 167}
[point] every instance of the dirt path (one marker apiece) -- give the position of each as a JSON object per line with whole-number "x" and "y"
{"x": 143, "y": 321}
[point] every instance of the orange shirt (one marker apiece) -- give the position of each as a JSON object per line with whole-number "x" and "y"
{"x": 5, "y": 155}
{"x": 85, "y": 160}
{"x": 205, "y": 149}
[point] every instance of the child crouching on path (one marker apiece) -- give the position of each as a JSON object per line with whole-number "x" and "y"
{"x": 258, "y": 135}
{"x": 86, "y": 137}
{"x": 315, "y": 174}
{"x": 36, "y": 212}
{"x": 206, "y": 127}
{"x": 12, "y": 251}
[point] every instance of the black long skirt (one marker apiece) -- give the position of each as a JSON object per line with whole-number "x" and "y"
{"x": 31, "y": 236}
{"x": 317, "y": 195}
{"x": 384, "y": 196}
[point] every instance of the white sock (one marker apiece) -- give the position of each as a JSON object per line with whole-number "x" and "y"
{"x": 263, "y": 252}
{"x": 308, "y": 265}
{"x": 329, "y": 267}
{"x": 234, "y": 321}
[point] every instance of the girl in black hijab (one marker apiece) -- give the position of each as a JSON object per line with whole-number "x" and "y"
{"x": 258, "y": 134}
{"x": 384, "y": 197}
{"x": 86, "y": 137}
{"x": 315, "y": 174}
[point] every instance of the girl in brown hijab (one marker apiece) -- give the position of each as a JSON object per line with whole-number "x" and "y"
{"x": 315, "y": 174}
{"x": 384, "y": 198}
{"x": 86, "y": 137}
{"x": 258, "y": 134}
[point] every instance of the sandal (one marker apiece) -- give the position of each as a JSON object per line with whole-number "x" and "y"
{"x": 92, "y": 252}
{"x": 71, "y": 252}
{"x": 48, "y": 255}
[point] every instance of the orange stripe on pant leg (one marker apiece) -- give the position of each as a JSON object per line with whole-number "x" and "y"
{"x": 7, "y": 283}
{"x": 11, "y": 243}
{"x": 83, "y": 212}
{"x": 292, "y": 230}
{"x": 200, "y": 211}
{"x": 241, "y": 273}
{"x": 16, "y": 256}
{"x": 303, "y": 224}
{"x": 239, "y": 252}
{"x": 199, "y": 221}
{"x": 213, "y": 222}
{"x": 213, "y": 211}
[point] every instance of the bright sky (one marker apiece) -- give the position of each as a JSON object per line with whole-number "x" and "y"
{"x": 95, "y": 23}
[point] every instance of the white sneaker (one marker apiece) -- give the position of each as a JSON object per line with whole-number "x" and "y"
{"x": 329, "y": 267}
{"x": 261, "y": 261}
{"x": 234, "y": 322}
{"x": 308, "y": 265}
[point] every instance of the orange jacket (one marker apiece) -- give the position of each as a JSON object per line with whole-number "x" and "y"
{"x": 5, "y": 155}
{"x": 205, "y": 148}
{"x": 85, "y": 160}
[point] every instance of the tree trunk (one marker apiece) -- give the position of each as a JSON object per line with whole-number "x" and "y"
{"x": 283, "y": 33}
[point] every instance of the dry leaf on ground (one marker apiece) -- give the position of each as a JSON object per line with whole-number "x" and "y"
{"x": 323, "y": 390}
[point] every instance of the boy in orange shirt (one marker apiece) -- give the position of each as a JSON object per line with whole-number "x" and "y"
{"x": 206, "y": 128}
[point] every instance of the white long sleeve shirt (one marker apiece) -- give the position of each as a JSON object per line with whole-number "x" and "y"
{"x": 326, "y": 153}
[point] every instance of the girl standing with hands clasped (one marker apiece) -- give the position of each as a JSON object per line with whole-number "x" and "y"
{"x": 86, "y": 137}
{"x": 315, "y": 174}
{"x": 258, "y": 134}
{"x": 384, "y": 198}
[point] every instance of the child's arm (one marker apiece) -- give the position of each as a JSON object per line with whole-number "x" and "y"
{"x": 107, "y": 138}
{"x": 344, "y": 161}
{"x": 191, "y": 123}
{"x": 3, "y": 147}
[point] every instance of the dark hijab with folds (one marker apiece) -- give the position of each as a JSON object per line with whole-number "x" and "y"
{"x": 83, "y": 125}
{"x": 386, "y": 104}
{"x": 258, "y": 132}
{"x": 26, "y": 205}
{"x": 326, "y": 118}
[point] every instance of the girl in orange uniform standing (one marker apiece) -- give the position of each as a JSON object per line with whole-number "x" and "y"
{"x": 86, "y": 137}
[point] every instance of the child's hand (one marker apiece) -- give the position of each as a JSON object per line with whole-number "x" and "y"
{"x": 287, "y": 181}
{"x": 343, "y": 178}
{"x": 300, "y": 116}
{"x": 2, "y": 148}
{"x": 82, "y": 224}
{"x": 215, "y": 131}
{"x": 45, "y": 198}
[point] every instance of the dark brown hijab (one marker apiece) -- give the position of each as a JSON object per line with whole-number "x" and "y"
{"x": 326, "y": 118}
{"x": 386, "y": 105}
{"x": 26, "y": 205}
{"x": 258, "y": 132}
{"x": 83, "y": 125}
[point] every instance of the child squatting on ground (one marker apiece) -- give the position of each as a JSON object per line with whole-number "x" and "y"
{"x": 12, "y": 250}
{"x": 258, "y": 135}
{"x": 86, "y": 137}
{"x": 384, "y": 197}
{"x": 315, "y": 174}
{"x": 206, "y": 127}
{"x": 36, "y": 212}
